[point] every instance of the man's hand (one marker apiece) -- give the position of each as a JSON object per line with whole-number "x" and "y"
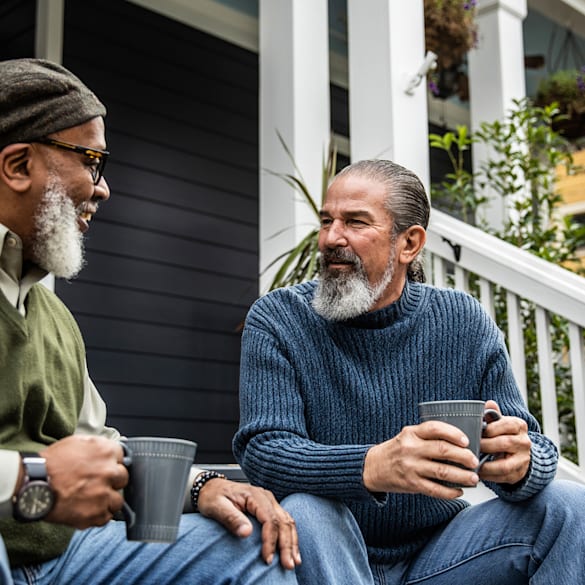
{"x": 416, "y": 458}
{"x": 508, "y": 439}
{"x": 86, "y": 473}
{"x": 226, "y": 501}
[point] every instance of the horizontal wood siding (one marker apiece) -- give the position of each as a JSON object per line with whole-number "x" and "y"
{"x": 173, "y": 256}
{"x": 17, "y": 28}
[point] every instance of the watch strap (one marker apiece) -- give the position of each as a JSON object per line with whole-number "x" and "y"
{"x": 35, "y": 466}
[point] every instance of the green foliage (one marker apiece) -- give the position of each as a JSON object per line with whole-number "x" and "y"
{"x": 456, "y": 189}
{"x": 525, "y": 151}
{"x": 562, "y": 87}
{"x": 301, "y": 262}
{"x": 566, "y": 89}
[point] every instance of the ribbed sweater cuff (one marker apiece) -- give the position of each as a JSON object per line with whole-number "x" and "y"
{"x": 542, "y": 470}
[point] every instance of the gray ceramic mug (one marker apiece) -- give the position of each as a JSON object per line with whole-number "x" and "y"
{"x": 158, "y": 470}
{"x": 470, "y": 416}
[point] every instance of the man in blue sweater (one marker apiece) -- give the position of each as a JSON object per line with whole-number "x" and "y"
{"x": 332, "y": 372}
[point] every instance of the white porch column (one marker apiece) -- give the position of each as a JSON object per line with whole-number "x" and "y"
{"x": 294, "y": 100}
{"x": 496, "y": 74}
{"x": 386, "y": 49}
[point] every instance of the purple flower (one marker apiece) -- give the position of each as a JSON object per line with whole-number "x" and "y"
{"x": 581, "y": 80}
{"x": 433, "y": 87}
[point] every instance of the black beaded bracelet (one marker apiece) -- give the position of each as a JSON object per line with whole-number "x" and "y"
{"x": 201, "y": 479}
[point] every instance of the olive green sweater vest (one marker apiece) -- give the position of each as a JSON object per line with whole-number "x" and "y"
{"x": 42, "y": 367}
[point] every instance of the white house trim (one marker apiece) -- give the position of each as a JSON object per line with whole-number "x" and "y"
{"x": 211, "y": 17}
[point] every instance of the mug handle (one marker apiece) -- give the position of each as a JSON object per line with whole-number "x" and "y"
{"x": 126, "y": 514}
{"x": 489, "y": 415}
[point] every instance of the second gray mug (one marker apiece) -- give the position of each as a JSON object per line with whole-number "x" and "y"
{"x": 470, "y": 416}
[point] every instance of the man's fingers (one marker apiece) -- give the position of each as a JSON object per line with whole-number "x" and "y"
{"x": 230, "y": 516}
{"x": 281, "y": 531}
{"x": 278, "y": 527}
{"x": 434, "y": 429}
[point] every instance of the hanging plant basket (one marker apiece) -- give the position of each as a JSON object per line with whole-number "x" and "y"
{"x": 566, "y": 88}
{"x": 450, "y": 32}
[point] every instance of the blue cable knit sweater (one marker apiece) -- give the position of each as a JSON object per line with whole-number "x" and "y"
{"x": 316, "y": 395}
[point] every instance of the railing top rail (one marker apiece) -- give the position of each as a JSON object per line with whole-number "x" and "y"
{"x": 552, "y": 287}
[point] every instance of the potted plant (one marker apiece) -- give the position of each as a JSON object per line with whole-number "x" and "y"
{"x": 450, "y": 32}
{"x": 566, "y": 88}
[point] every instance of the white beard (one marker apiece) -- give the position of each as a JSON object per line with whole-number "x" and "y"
{"x": 58, "y": 242}
{"x": 345, "y": 295}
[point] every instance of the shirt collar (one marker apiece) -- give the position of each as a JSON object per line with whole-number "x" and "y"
{"x": 15, "y": 283}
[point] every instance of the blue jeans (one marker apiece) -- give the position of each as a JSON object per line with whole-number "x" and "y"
{"x": 538, "y": 542}
{"x": 205, "y": 553}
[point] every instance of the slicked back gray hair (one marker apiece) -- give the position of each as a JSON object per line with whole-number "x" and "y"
{"x": 406, "y": 199}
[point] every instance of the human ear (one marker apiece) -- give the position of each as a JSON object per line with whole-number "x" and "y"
{"x": 15, "y": 166}
{"x": 413, "y": 240}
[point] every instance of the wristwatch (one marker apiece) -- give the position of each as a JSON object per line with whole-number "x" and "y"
{"x": 35, "y": 498}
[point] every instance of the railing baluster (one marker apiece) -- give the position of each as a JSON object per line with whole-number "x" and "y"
{"x": 486, "y": 294}
{"x": 427, "y": 259}
{"x": 439, "y": 271}
{"x": 577, "y": 354}
{"x": 516, "y": 342}
{"x": 461, "y": 278}
{"x": 550, "y": 417}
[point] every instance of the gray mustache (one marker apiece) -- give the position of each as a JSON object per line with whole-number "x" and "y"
{"x": 339, "y": 255}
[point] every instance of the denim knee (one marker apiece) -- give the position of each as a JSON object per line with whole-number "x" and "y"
{"x": 564, "y": 495}
{"x": 312, "y": 508}
{"x": 331, "y": 543}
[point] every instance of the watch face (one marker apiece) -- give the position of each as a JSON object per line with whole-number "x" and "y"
{"x": 35, "y": 500}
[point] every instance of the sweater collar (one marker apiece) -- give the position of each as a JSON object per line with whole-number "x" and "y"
{"x": 399, "y": 310}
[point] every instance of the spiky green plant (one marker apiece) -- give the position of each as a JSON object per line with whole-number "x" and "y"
{"x": 300, "y": 263}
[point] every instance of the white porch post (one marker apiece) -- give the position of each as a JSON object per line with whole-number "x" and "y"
{"x": 496, "y": 74}
{"x": 294, "y": 100}
{"x": 386, "y": 49}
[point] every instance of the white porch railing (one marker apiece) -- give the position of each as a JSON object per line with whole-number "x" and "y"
{"x": 455, "y": 251}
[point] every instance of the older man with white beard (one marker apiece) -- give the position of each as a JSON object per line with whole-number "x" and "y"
{"x": 332, "y": 372}
{"x": 62, "y": 468}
